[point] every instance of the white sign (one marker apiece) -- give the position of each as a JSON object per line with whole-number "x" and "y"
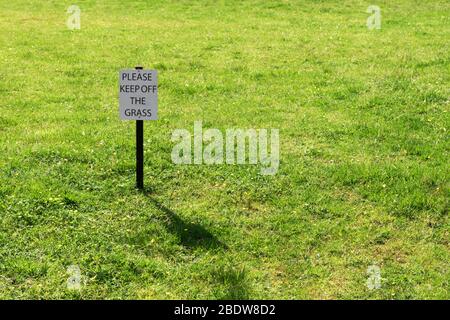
{"x": 138, "y": 94}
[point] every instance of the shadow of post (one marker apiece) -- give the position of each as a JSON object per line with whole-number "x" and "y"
{"x": 191, "y": 235}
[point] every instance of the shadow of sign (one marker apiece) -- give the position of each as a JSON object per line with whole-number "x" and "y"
{"x": 190, "y": 235}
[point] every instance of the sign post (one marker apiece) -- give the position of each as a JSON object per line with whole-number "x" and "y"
{"x": 138, "y": 100}
{"x": 139, "y": 151}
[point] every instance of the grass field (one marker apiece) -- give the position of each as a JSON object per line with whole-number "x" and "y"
{"x": 363, "y": 177}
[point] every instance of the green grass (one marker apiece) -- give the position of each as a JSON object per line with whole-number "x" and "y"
{"x": 363, "y": 178}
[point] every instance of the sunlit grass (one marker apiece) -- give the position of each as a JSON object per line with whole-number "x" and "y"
{"x": 363, "y": 178}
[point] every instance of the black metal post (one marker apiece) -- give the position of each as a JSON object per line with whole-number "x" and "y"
{"x": 139, "y": 151}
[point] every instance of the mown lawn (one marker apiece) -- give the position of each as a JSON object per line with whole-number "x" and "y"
{"x": 363, "y": 178}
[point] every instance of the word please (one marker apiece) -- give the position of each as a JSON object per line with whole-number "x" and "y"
{"x": 235, "y": 146}
{"x": 144, "y": 76}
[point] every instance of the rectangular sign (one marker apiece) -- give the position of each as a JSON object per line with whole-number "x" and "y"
{"x": 138, "y": 94}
